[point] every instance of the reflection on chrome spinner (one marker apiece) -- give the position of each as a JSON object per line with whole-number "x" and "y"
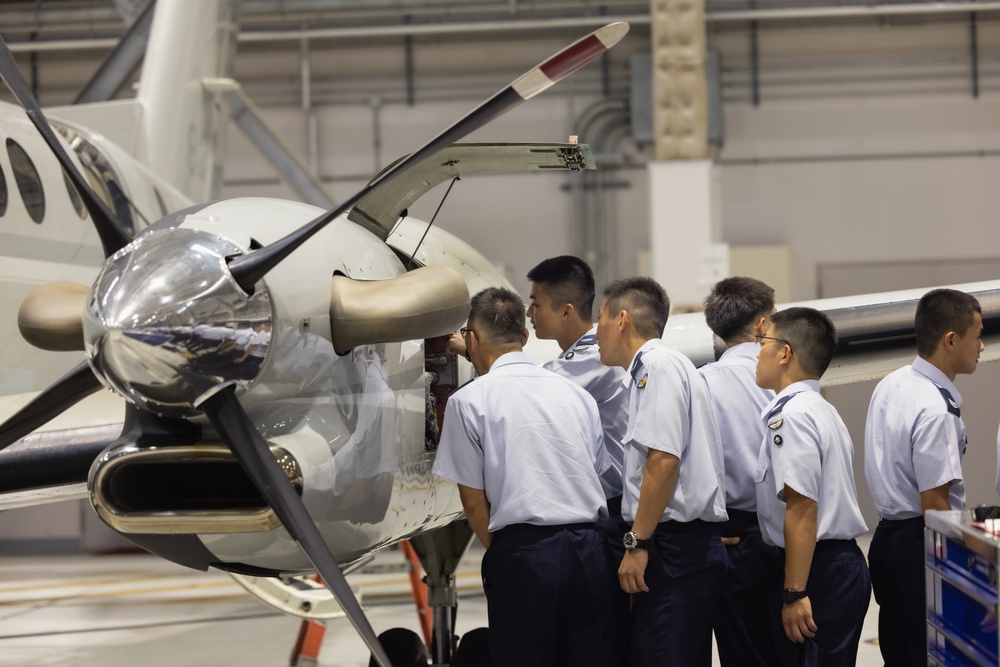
{"x": 166, "y": 326}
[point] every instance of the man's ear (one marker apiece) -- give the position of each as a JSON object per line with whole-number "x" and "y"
{"x": 623, "y": 320}
{"x": 760, "y": 327}
{"x": 567, "y": 311}
{"x": 786, "y": 356}
{"x": 949, "y": 339}
{"x": 524, "y": 337}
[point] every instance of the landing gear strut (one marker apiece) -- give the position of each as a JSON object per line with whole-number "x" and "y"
{"x": 440, "y": 553}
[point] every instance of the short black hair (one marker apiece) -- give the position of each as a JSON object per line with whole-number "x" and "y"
{"x": 645, "y": 300}
{"x": 811, "y": 335}
{"x": 940, "y": 311}
{"x": 567, "y": 279}
{"x": 499, "y": 314}
{"x": 734, "y": 304}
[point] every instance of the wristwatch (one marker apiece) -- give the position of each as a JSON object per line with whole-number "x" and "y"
{"x": 790, "y": 595}
{"x": 633, "y": 542}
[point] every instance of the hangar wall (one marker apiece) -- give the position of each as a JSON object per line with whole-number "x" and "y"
{"x": 867, "y": 145}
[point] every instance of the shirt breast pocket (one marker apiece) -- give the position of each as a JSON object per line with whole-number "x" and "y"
{"x": 763, "y": 493}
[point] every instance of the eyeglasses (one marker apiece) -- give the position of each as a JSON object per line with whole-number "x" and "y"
{"x": 466, "y": 331}
{"x": 760, "y": 341}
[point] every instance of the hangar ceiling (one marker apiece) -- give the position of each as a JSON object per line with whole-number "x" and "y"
{"x": 462, "y": 48}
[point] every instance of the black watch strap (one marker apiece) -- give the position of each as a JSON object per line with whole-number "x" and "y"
{"x": 790, "y": 595}
{"x": 632, "y": 541}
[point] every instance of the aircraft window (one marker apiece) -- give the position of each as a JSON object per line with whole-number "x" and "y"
{"x": 28, "y": 182}
{"x": 100, "y": 174}
{"x": 3, "y": 192}
{"x": 75, "y": 197}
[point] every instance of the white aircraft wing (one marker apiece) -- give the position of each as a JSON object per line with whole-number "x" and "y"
{"x": 379, "y": 211}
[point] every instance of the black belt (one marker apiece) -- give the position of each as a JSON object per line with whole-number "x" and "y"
{"x": 550, "y": 530}
{"x": 826, "y": 546}
{"x": 740, "y": 523}
{"x": 918, "y": 520}
{"x": 686, "y": 527}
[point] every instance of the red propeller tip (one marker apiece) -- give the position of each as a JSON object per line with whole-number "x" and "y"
{"x": 569, "y": 60}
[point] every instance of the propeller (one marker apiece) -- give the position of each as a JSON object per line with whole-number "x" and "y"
{"x": 251, "y": 450}
{"x": 222, "y": 406}
{"x": 66, "y": 392}
{"x": 113, "y": 236}
{"x": 250, "y": 268}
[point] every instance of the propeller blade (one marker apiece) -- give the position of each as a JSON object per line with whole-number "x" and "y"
{"x": 250, "y": 268}
{"x": 251, "y": 450}
{"x": 112, "y": 235}
{"x": 66, "y": 392}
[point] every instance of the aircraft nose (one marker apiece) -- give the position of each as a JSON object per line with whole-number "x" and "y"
{"x": 164, "y": 321}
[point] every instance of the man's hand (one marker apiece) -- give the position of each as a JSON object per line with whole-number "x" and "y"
{"x": 455, "y": 345}
{"x": 632, "y": 571}
{"x": 797, "y": 618}
{"x": 730, "y": 541}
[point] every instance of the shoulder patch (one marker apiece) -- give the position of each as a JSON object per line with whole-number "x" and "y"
{"x": 642, "y": 382}
{"x": 775, "y": 425}
{"x": 950, "y": 402}
{"x": 779, "y": 405}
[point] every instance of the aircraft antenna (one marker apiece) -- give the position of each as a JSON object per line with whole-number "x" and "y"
{"x": 409, "y": 262}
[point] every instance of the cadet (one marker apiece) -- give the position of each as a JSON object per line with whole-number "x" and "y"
{"x": 525, "y": 447}
{"x": 737, "y": 310}
{"x": 673, "y": 482}
{"x": 914, "y": 443}
{"x": 807, "y": 502}
{"x": 561, "y": 309}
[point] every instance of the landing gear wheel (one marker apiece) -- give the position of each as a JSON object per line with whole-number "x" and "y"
{"x": 473, "y": 649}
{"x": 404, "y": 648}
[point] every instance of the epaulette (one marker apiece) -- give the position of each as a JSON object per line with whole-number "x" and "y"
{"x": 949, "y": 401}
{"x": 582, "y": 344}
{"x": 779, "y": 405}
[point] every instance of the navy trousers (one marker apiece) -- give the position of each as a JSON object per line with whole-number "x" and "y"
{"x": 550, "y": 593}
{"x": 614, "y": 528}
{"x": 840, "y": 590}
{"x": 672, "y": 623}
{"x": 896, "y": 558}
{"x": 742, "y": 617}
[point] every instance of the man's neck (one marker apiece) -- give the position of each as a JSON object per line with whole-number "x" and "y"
{"x": 572, "y": 332}
{"x": 790, "y": 378}
{"x": 939, "y": 362}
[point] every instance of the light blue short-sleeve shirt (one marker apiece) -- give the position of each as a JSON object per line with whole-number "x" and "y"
{"x": 914, "y": 440}
{"x": 738, "y": 402}
{"x": 670, "y": 410}
{"x": 581, "y": 363}
{"x": 531, "y": 439}
{"x": 807, "y": 447}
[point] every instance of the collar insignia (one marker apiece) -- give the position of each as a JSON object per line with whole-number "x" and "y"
{"x": 642, "y": 382}
{"x": 778, "y": 440}
{"x": 569, "y": 355}
{"x": 774, "y": 426}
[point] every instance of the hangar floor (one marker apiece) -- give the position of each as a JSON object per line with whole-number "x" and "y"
{"x": 132, "y": 609}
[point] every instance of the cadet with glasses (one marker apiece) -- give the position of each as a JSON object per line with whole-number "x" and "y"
{"x": 807, "y": 501}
